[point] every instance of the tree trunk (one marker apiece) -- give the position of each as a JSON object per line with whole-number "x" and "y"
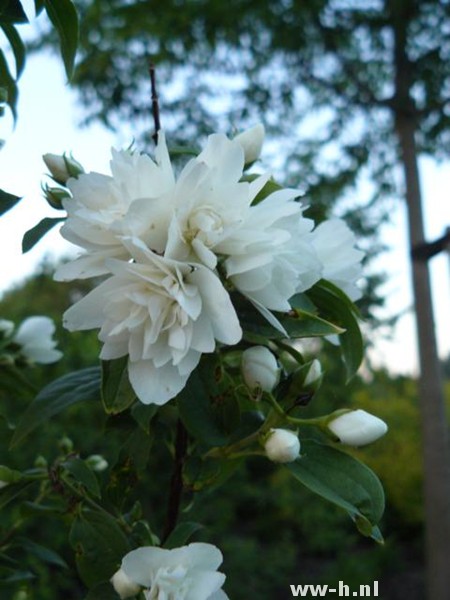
{"x": 434, "y": 425}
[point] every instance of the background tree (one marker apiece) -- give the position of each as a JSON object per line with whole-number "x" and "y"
{"x": 370, "y": 85}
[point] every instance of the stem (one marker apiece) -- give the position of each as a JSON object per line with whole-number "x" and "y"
{"x": 176, "y": 484}
{"x": 155, "y": 103}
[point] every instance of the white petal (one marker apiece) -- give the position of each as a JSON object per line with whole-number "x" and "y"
{"x": 155, "y": 385}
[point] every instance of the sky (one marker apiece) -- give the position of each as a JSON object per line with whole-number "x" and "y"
{"x": 49, "y": 117}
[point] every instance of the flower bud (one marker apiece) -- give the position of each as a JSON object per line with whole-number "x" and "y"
{"x": 251, "y": 141}
{"x": 282, "y": 446}
{"x": 260, "y": 368}
{"x": 97, "y": 462}
{"x": 55, "y": 196}
{"x": 123, "y": 585}
{"x": 6, "y": 328}
{"x": 62, "y": 167}
{"x": 314, "y": 373}
{"x": 357, "y": 427}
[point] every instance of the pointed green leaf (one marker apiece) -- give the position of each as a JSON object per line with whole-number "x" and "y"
{"x": 11, "y": 11}
{"x": 143, "y": 415}
{"x": 34, "y": 235}
{"x": 99, "y": 544}
{"x": 336, "y": 306}
{"x": 44, "y": 554}
{"x": 64, "y": 17}
{"x": 182, "y": 534}
{"x": 17, "y": 46}
{"x": 83, "y": 474}
{"x": 7, "y": 82}
{"x": 75, "y": 387}
{"x": 117, "y": 393}
{"x": 12, "y": 491}
{"x": 7, "y": 201}
{"x": 102, "y": 591}
{"x": 342, "y": 480}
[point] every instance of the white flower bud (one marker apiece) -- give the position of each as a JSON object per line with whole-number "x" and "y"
{"x": 123, "y": 585}
{"x": 3, "y": 484}
{"x": 6, "y": 328}
{"x": 260, "y": 368}
{"x": 35, "y": 338}
{"x": 251, "y": 141}
{"x": 97, "y": 462}
{"x": 62, "y": 167}
{"x": 282, "y": 446}
{"x": 357, "y": 428}
{"x": 314, "y": 373}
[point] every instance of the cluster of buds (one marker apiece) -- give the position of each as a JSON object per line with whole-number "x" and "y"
{"x": 61, "y": 168}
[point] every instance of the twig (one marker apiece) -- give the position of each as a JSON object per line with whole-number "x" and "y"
{"x": 176, "y": 483}
{"x": 155, "y": 103}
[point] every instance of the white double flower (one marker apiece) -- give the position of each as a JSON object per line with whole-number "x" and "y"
{"x": 165, "y": 242}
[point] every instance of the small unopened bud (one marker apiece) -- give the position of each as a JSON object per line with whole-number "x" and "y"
{"x": 62, "y": 167}
{"x": 55, "y": 196}
{"x": 282, "y": 446}
{"x": 65, "y": 445}
{"x": 260, "y": 368}
{"x": 123, "y": 585}
{"x": 251, "y": 141}
{"x": 357, "y": 428}
{"x": 6, "y": 328}
{"x": 97, "y": 462}
{"x": 314, "y": 374}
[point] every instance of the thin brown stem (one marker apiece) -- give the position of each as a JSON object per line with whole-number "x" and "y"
{"x": 155, "y": 103}
{"x": 176, "y": 483}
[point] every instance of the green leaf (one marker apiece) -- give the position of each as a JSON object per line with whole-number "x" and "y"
{"x": 102, "y": 591}
{"x": 33, "y": 235}
{"x": 117, "y": 393}
{"x": 17, "y": 46}
{"x": 44, "y": 554}
{"x": 99, "y": 544}
{"x": 83, "y": 474}
{"x": 7, "y": 82}
{"x": 78, "y": 386}
{"x": 182, "y": 534}
{"x": 11, "y": 11}
{"x": 143, "y": 415}
{"x": 64, "y": 17}
{"x": 335, "y": 305}
{"x": 299, "y": 324}
{"x": 8, "y": 475}
{"x": 38, "y": 6}
{"x": 197, "y": 411}
{"x": 7, "y": 201}
{"x": 13, "y": 491}
{"x": 342, "y": 480}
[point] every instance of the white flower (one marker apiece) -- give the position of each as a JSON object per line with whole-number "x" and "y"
{"x": 334, "y": 243}
{"x": 282, "y": 446}
{"x": 210, "y": 201}
{"x": 270, "y": 257}
{"x": 357, "y": 428}
{"x": 251, "y": 141}
{"x": 134, "y": 201}
{"x": 35, "y": 338}
{"x": 260, "y": 368}
{"x": 123, "y": 585}
{"x": 186, "y": 573}
{"x": 163, "y": 313}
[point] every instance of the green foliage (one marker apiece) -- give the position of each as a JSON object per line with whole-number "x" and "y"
{"x": 34, "y": 235}
{"x": 344, "y": 481}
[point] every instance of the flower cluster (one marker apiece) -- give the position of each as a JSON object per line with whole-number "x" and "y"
{"x": 172, "y": 246}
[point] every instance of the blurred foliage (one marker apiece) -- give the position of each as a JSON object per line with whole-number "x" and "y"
{"x": 314, "y": 541}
